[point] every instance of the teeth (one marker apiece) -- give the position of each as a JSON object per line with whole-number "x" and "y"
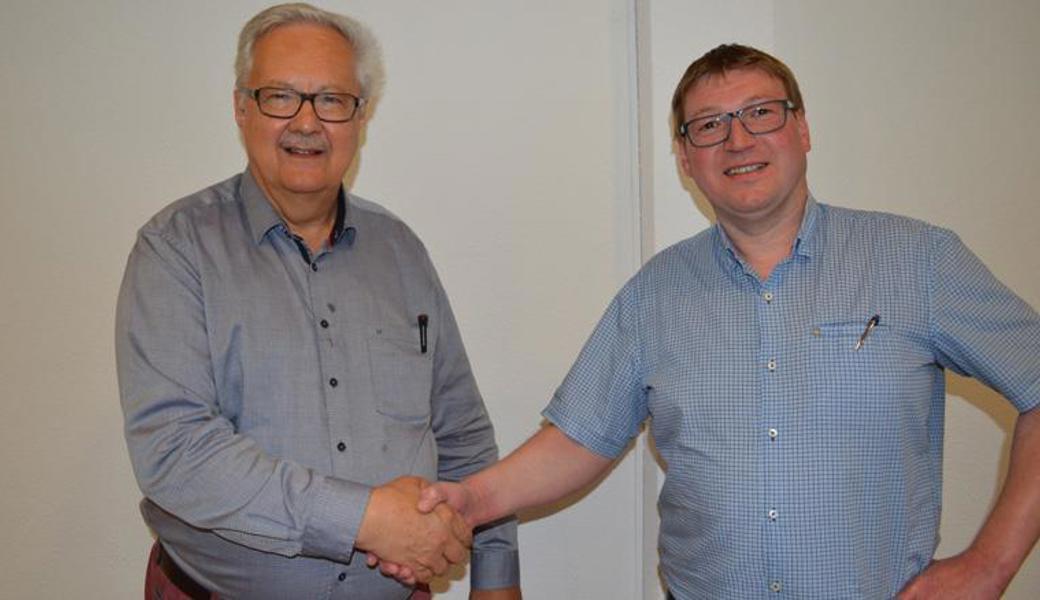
{"x": 745, "y": 169}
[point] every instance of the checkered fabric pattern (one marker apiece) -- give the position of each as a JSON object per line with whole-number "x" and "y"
{"x": 798, "y": 465}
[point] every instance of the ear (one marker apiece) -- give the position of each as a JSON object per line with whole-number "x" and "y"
{"x": 803, "y": 131}
{"x": 679, "y": 146}
{"x": 238, "y": 104}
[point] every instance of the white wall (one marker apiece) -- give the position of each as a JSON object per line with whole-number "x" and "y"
{"x": 922, "y": 108}
{"x": 507, "y": 139}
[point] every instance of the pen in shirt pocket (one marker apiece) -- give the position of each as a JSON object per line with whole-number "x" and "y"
{"x": 871, "y": 324}
{"x": 424, "y": 323}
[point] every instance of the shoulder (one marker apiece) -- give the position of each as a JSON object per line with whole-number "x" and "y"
{"x": 373, "y": 218}
{"x": 844, "y": 221}
{"x": 179, "y": 219}
{"x": 687, "y": 263}
{"x": 684, "y": 257}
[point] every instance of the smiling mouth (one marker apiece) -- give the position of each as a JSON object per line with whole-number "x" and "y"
{"x": 745, "y": 169}
{"x": 302, "y": 151}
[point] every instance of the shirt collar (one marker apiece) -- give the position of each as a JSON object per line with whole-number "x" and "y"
{"x": 263, "y": 218}
{"x": 804, "y": 243}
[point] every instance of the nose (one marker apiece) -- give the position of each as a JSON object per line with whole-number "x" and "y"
{"x": 739, "y": 137}
{"x": 306, "y": 119}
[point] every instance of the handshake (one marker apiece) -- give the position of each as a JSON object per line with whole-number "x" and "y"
{"x": 414, "y": 530}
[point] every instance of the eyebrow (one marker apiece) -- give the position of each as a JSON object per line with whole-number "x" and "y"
{"x": 711, "y": 111}
{"x": 285, "y": 85}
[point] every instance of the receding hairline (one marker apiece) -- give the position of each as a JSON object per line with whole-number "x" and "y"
{"x": 350, "y": 45}
{"x": 365, "y": 48}
{"x": 726, "y": 58}
{"x": 723, "y": 75}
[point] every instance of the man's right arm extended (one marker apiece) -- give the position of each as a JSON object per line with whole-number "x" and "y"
{"x": 546, "y": 468}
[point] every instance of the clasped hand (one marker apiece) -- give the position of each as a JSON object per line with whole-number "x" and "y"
{"x": 439, "y": 498}
{"x": 420, "y": 544}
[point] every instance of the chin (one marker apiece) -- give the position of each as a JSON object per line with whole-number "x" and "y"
{"x": 306, "y": 185}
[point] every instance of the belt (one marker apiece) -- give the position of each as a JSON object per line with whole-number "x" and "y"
{"x": 179, "y": 578}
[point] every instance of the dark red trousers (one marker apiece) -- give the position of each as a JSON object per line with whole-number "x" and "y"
{"x": 164, "y": 580}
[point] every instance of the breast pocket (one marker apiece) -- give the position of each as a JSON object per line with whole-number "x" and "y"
{"x": 402, "y": 376}
{"x": 882, "y": 373}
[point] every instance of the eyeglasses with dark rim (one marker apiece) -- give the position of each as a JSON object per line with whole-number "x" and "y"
{"x": 282, "y": 103}
{"x": 758, "y": 118}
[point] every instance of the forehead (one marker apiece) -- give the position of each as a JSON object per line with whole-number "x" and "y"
{"x": 304, "y": 54}
{"x": 730, "y": 91}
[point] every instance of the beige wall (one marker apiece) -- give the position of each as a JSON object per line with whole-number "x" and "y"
{"x": 507, "y": 139}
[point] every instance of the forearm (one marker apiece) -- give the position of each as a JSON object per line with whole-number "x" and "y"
{"x": 546, "y": 468}
{"x": 214, "y": 479}
{"x": 1012, "y": 529}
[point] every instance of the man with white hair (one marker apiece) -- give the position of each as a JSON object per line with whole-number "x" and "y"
{"x": 290, "y": 369}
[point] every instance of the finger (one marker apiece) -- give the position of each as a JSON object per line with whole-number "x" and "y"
{"x": 422, "y": 574}
{"x": 406, "y": 576}
{"x": 389, "y": 569}
{"x": 430, "y": 497}
{"x": 435, "y": 563}
{"x": 462, "y": 531}
{"x": 371, "y": 560}
{"x": 459, "y": 528}
{"x": 455, "y": 552}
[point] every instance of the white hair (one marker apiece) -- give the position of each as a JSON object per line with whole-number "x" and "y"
{"x": 367, "y": 54}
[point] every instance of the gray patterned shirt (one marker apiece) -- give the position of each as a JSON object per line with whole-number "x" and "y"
{"x": 266, "y": 391}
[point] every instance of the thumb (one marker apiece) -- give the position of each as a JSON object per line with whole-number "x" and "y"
{"x": 430, "y": 497}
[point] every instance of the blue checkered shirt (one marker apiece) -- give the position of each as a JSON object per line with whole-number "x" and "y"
{"x": 797, "y": 465}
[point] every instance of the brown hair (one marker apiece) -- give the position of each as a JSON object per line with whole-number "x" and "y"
{"x": 730, "y": 57}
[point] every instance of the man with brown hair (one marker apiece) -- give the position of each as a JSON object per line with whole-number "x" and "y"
{"x": 791, "y": 359}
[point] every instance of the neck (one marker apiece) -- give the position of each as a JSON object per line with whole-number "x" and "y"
{"x": 765, "y": 243}
{"x": 309, "y": 216}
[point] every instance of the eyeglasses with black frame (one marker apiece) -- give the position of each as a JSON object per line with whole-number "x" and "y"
{"x": 758, "y": 118}
{"x": 282, "y": 103}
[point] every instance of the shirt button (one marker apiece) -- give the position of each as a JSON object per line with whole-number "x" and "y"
{"x": 816, "y": 331}
{"x": 771, "y": 365}
{"x": 772, "y": 514}
{"x": 334, "y": 382}
{"x": 768, "y": 297}
{"x": 776, "y": 586}
{"x": 324, "y": 324}
{"x": 342, "y": 577}
{"x": 773, "y": 433}
{"x": 314, "y": 266}
{"x": 341, "y": 446}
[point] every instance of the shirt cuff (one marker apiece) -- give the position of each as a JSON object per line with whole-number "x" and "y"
{"x": 495, "y": 560}
{"x": 339, "y": 507}
{"x": 495, "y": 570}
